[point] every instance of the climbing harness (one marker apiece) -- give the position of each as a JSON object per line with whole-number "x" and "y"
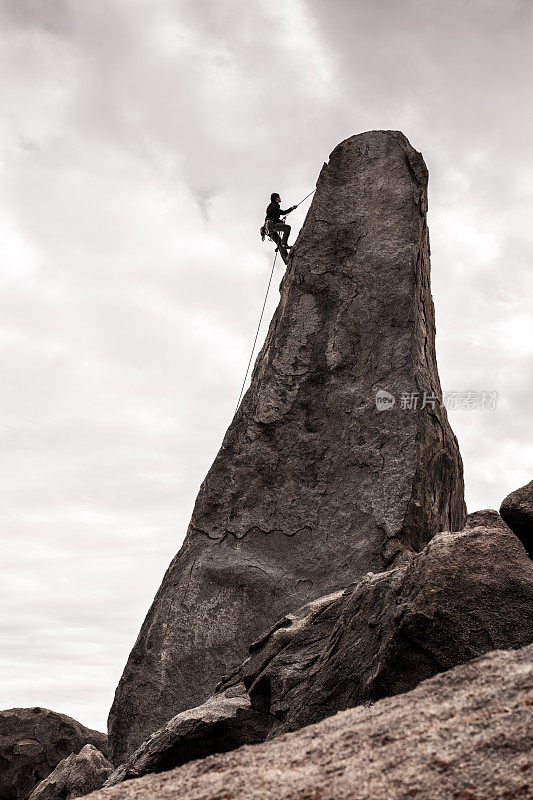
{"x": 265, "y": 232}
{"x": 273, "y": 236}
{"x": 257, "y": 331}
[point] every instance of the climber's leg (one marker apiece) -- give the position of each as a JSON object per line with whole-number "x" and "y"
{"x": 284, "y": 229}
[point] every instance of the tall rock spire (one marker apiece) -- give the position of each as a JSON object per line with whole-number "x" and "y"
{"x": 314, "y": 485}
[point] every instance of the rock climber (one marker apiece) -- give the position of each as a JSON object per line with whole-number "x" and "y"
{"x": 273, "y": 214}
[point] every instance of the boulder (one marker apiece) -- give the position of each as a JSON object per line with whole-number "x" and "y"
{"x": 318, "y": 479}
{"x": 224, "y": 722}
{"x": 32, "y": 743}
{"x": 517, "y": 511}
{"x": 487, "y": 518}
{"x": 462, "y": 735}
{"x": 75, "y": 776}
{"x": 465, "y": 594}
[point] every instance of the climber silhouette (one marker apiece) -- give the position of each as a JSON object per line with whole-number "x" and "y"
{"x": 273, "y": 214}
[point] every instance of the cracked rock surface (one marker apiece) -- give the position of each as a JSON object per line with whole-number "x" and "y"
{"x": 313, "y": 485}
{"x": 462, "y": 735}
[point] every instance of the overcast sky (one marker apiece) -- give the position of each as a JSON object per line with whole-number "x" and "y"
{"x": 139, "y": 141}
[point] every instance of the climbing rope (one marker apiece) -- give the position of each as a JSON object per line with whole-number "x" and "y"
{"x": 305, "y": 198}
{"x": 257, "y": 331}
{"x": 263, "y": 311}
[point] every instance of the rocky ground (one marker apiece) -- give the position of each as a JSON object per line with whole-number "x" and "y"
{"x": 465, "y": 594}
{"x": 462, "y": 735}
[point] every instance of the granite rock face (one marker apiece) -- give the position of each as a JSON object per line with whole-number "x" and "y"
{"x": 517, "y": 511}
{"x": 466, "y": 594}
{"x": 224, "y": 722}
{"x": 32, "y": 743}
{"x": 313, "y": 485}
{"x": 462, "y": 735}
{"x": 75, "y": 776}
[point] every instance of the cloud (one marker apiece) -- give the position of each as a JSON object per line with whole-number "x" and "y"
{"x": 139, "y": 142}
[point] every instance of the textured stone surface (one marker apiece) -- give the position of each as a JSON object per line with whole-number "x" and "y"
{"x": 488, "y": 518}
{"x": 466, "y": 594}
{"x": 32, "y": 743}
{"x": 302, "y": 633}
{"x": 517, "y": 511}
{"x": 75, "y": 776}
{"x": 224, "y": 722}
{"x": 312, "y": 486}
{"x": 462, "y": 735}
